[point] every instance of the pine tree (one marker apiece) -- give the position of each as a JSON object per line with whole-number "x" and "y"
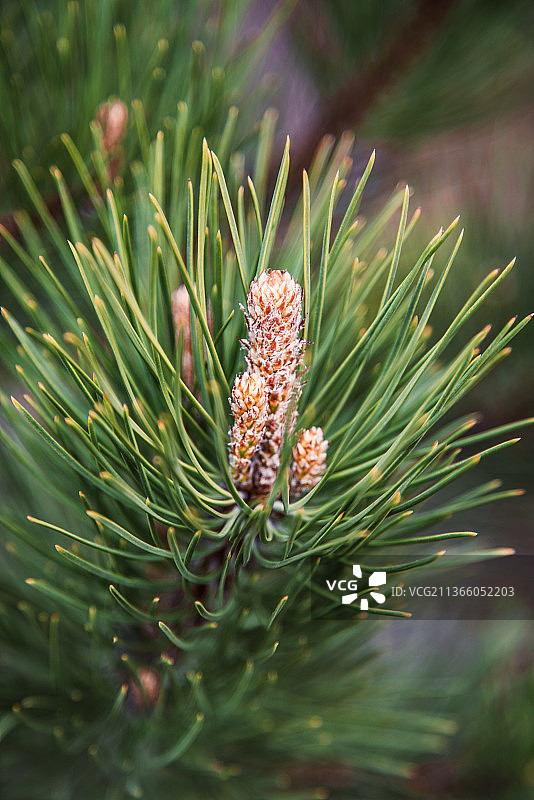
{"x": 209, "y": 398}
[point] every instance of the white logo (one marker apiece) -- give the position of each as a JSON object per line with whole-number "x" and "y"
{"x": 375, "y": 580}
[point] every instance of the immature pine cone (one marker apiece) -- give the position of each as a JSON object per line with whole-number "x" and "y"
{"x": 145, "y": 691}
{"x": 182, "y": 324}
{"x": 249, "y": 407}
{"x": 309, "y": 461}
{"x": 113, "y": 118}
{"x": 274, "y": 350}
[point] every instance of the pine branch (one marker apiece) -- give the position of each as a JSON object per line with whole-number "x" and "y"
{"x": 155, "y": 606}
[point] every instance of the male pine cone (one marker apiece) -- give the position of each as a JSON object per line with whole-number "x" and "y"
{"x": 249, "y": 407}
{"x": 266, "y": 395}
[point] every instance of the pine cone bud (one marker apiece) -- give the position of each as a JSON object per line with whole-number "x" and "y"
{"x": 309, "y": 460}
{"x": 249, "y": 407}
{"x": 145, "y": 693}
{"x": 274, "y": 350}
{"x": 113, "y": 118}
{"x": 274, "y": 321}
{"x": 182, "y": 323}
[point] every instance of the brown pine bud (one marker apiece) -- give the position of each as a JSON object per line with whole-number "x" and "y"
{"x": 113, "y": 118}
{"x": 182, "y": 324}
{"x": 274, "y": 320}
{"x": 249, "y": 407}
{"x": 145, "y": 693}
{"x": 274, "y": 350}
{"x": 309, "y": 461}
